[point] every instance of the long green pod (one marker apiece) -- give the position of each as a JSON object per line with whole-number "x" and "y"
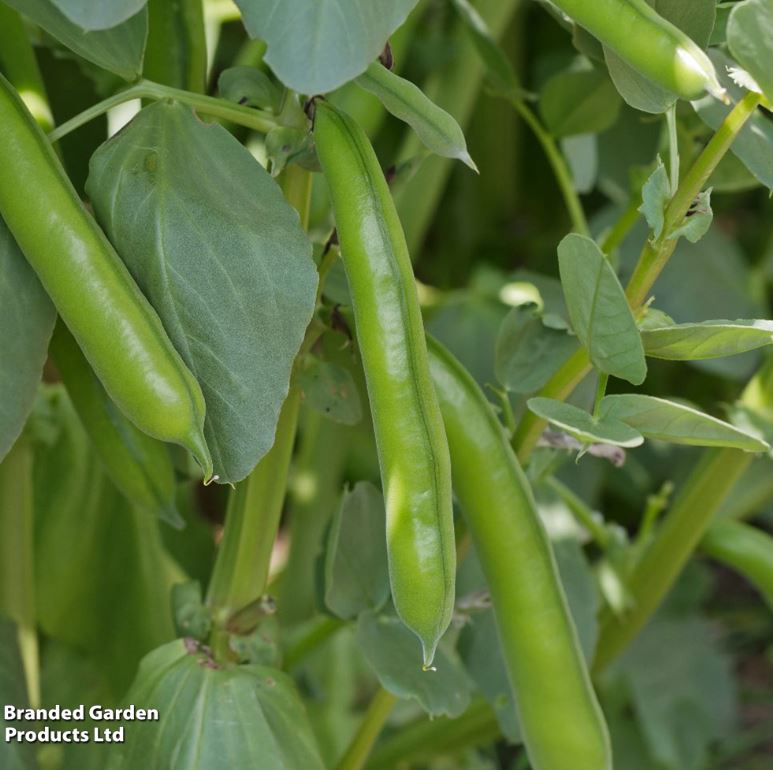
{"x": 176, "y": 51}
{"x": 140, "y": 466}
{"x": 561, "y": 721}
{"x": 119, "y": 332}
{"x": 745, "y": 549}
{"x": 640, "y": 36}
{"x": 411, "y": 442}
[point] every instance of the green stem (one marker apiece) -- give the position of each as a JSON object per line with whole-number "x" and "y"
{"x": 558, "y": 164}
{"x": 673, "y": 147}
{"x": 252, "y": 520}
{"x": 676, "y": 539}
{"x": 319, "y": 631}
{"x": 428, "y": 739}
{"x": 17, "y": 571}
{"x": 258, "y": 120}
{"x": 622, "y": 226}
{"x": 651, "y": 262}
{"x": 17, "y": 57}
{"x": 373, "y": 722}
{"x": 601, "y": 389}
{"x": 655, "y": 256}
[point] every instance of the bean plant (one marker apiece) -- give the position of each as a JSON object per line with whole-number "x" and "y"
{"x": 386, "y": 385}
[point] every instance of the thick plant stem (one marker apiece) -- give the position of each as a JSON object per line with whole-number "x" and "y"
{"x": 429, "y": 738}
{"x": 676, "y": 539}
{"x": 17, "y": 571}
{"x": 558, "y": 164}
{"x": 252, "y": 519}
{"x": 651, "y": 262}
{"x": 17, "y": 57}
{"x": 258, "y": 120}
{"x": 655, "y": 256}
{"x": 373, "y": 722}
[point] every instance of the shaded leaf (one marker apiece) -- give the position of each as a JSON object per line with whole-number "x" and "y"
{"x": 581, "y": 153}
{"x": 676, "y": 423}
{"x": 579, "y": 103}
{"x": 330, "y": 390}
{"x": 222, "y": 257}
{"x": 438, "y": 130}
{"x": 356, "y": 568}
{"x": 528, "y": 353}
{"x": 248, "y": 85}
{"x": 583, "y": 425}
{"x": 27, "y": 319}
{"x": 600, "y": 314}
{"x": 708, "y": 339}
{"x": 238, "y": 717}
{"x": 389, "y": 648}
{"x": 315, "y": 47}
{"x": 698, "y": 220}
{"x": 655, "y": 195}
{"x": 119, "y": 49}
{"x": 750, "y": 37}
{"x": 99, "y": 14}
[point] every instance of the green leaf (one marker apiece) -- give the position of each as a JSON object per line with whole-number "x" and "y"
{"x": 583, "y": 425}
{"x": 499, "y": 70}
{"x": 213, "y": 716}
{"x": 119, "y": 49}
{"x": 330, "y": 390}
{"x": 698, "y": 220}
{"x": 750, "y": 37}
{"x": 709, "y": 339}
{"x": 250, "y": 86}
{"x": 754, "y": 143}
{"x": 99, "y": 14}
{"x": 221, "y": 256}
{"x": 27, "y": 319}
{"x": 356, "y": 569}
{"x": 438, "y": 130}
{"x": 286, "y": 145}
{"x": 191, "y": 617}
{"x": 315, "y": 48}
{"x": 581, "y": 153}
{"x": 81, "y": 519}
{"x": 676, "y": 423}
{"x": 696, "y": 18}
{"x": 579, "y": 103}
{"x": 528, "y": 353}
{"x": 655, "y": 195}
{"x": 389, "y": 647}
{"x": 600, "y": 314}
{"x": 13, "y": 692}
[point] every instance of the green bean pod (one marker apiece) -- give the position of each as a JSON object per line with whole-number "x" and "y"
{"x": 561, "y": 721}
{"x": 411, "y": 442}
{"x": 119, "y": 332}
{"x": 176, "y": 51}
{"x": 140, "y": 466}
{"x": 641, "y": 37}
{"x": 746, "y": 549}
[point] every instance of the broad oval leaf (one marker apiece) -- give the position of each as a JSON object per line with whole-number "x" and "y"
{"x": 27, "y": 320}
{"x": 14, "y": 755}
{"x": 119, "y": 49}
{"x": 579, "y": 103}
{"x": 315, "y": 46}
{"x": 753, "y": 145}
{"x": 709, "y": 339}
{"x": 221, "y": 255}
{"x": 250, "y": 86}
{"x": 750, "y": 37}
{"x": 583, "y": 425}
{"x": 389, "y": 647}
{"x": 696, "y": 18}
{"x": 528, "y": 353}
{"x": 99, "y": 14}
{"x": 356, "y": 567}
{"x": 599, "y": 311}
{"x": 330, "y": 390}
{"x": 212, "y": 716}
{"x": 438, "y": 130}
{"x": 677, "y": 423}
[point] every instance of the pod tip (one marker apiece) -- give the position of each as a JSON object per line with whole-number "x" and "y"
{"x": 428, "y": 653}
{"x": 197, "y": 446}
